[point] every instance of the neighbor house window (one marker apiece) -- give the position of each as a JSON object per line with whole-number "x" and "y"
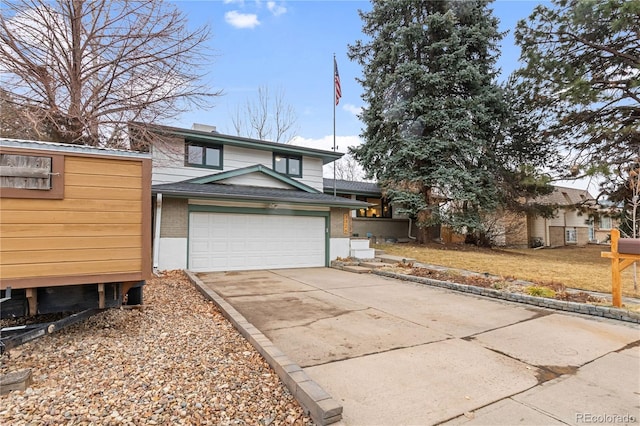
{"x": 381, "y": 207}
{"x": 201, "y": 155}
{"x": 605, "y": 222}
{"x": 290, "y": 165}
{"x": 31, "y": 176}
{"x": 571, "y": 236}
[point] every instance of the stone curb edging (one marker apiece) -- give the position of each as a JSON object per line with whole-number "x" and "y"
{"x": 579, "y": 308}
{"x": 316, "y": 402}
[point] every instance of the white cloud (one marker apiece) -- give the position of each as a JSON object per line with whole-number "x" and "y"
{"x": 241, "y": 20}
{"x": 240, "y": 2}
{"x": 276, "y": 9}
{"x": 355, "y": 110}
{"x": 326, "y": 142}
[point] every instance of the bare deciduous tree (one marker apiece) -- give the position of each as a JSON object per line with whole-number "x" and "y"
{"x": 347, "y": 168}
{"x": 268, "y": 118}
{"x": 83, "y": 69}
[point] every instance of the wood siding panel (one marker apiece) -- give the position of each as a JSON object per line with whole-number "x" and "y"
{"x": 52, "y": 216}
{"x": 87, "y": 193}
{"x": 53, "y": 243}
{"x": 69, "y": 230}
{"x": 88, "y": 166}
{"x": 102, "y": 181}
{"x": 93, "y": 267}
{"x": 63, "y": 256}
{"x": 99, "y": 228}
{"x": 79, "y": 205}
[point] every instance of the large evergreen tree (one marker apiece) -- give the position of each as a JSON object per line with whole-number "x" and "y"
{"x": 436, "y": 122}
{"x": 582, "y": 79}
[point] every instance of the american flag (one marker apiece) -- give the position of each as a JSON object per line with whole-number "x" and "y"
{"x": 336, "y": 81}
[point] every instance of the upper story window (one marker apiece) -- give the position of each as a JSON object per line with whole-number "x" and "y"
{"x": 201, "y": 155}
{"x": 290, "y": 165}
{"x": 605, "y": 222}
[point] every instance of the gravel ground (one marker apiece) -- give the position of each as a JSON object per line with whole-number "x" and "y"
{"x": 176, "y": 360}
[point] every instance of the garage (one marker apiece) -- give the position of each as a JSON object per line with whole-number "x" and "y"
{"x": 233, "y": 241}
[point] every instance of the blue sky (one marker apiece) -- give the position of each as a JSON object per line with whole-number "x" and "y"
{"x": 289, "y": 46}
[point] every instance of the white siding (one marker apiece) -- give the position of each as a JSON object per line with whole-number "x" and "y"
{"x": 172, "y": 253}
{"x": 538, "y": 229}
{"x": 257, "y": 179}
{"x": 168, "y": 164}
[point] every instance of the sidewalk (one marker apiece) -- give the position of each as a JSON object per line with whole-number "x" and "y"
{"x": 392, "y": 352}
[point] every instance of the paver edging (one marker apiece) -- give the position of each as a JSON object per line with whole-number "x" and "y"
{"x": 579, "y": 308}
{"x": 317, "y": 403}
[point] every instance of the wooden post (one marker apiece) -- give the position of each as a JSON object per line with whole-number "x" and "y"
{"x": 101, "y": 296}
{"x": 620, "y": 262}
{"x": 616, "y": 284}
{"x": 32, "y": 299}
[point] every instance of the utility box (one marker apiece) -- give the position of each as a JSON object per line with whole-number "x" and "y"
{"x": 75, "y": 226}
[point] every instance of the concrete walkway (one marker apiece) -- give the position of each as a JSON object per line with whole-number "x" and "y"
{"x": 396, "y": 353}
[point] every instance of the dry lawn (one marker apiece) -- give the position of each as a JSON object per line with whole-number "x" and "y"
{"x": 575, "y": 267}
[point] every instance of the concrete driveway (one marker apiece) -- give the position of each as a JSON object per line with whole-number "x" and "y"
{"x": 396, "y": 353}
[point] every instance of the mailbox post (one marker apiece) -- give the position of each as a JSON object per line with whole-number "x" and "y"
{"x": 624, "y": 252}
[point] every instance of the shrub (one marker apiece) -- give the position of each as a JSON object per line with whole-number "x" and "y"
{"x": 540, "y": 291}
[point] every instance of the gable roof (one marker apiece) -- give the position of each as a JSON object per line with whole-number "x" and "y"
{"x": 219, "y": 138}
{"x": 189, "y": 189}
{"x": 352, "y": 187}
{"x": 258, "y": 168}
{"x": 564, "y": 196}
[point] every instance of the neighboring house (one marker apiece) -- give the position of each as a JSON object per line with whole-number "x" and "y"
{"x": 379, "y": 220}
{"x": 231, "y": 203}
{"x": 570, "y": 225}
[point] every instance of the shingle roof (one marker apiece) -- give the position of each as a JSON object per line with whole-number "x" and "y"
{"x": 352, "y": 187}
{"x": 253, "y": 193}
{"x": 563, "y": 196}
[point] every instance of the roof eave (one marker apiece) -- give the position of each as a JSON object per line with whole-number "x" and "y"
{"x": 203, "y": 136}
{"x": 268, "y": 199}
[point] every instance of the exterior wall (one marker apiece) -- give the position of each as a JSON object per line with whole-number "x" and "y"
{"x": 100, "y": 231}
{"x": 340, "y": 229}
{"x": 582, "y": 236}
{"x": 172, "y": 244}
{"x": 556, "y": 236}
{"x": 537, "y": 230}
{"x": 169, "y": 167}
{"x": 381, "y": 228}
{"x": 513, "y": 230}
{"x": 257, "y": 179}
{"x": 552, "y": 230}
{"x": 339, "y": 247}
{"x": 175, "y": 218}
{"x": 341, "y": 223}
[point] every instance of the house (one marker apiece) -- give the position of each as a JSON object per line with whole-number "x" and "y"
{"x": 226, "y": 203}
{"x": 75, "y": 226}
{"x": 570, "y": 225}
{"x": 379, "y": 221}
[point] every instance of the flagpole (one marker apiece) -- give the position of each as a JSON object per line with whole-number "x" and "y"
{"x": 334, "y": 122}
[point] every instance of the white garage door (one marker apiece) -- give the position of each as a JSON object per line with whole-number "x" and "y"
{"x": 228, "y": 242}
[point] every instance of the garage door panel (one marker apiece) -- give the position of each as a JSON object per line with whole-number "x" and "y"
{"x": 221, "y": 241}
